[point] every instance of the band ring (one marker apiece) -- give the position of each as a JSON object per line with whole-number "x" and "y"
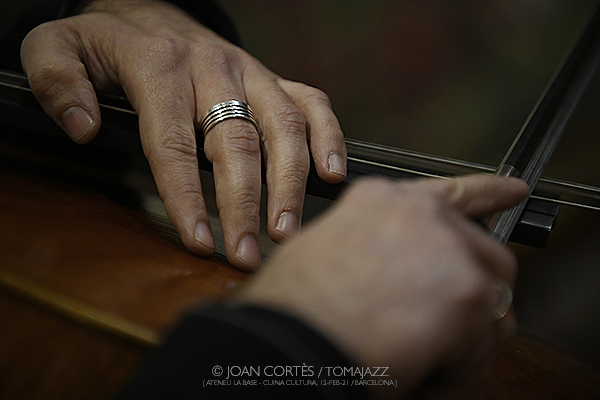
{"x": 226, "y": 110}
{"x": 504, "y": 301}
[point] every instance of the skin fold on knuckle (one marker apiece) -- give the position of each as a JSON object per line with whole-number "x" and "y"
{"x": 241, "y": 207}
{"x": 217, "y": 60}
{"x": 158, "y": 56}
{"x": 307, "y": 94}
{"x": 292, "y": 177}
{"x": 286, "y": 192}
{"x": 324, "y": 130}
{"x": 240, "y": 143}
{"x": 455, "y": 192}
{"x": 286, "y": 157}
{"x": 179, "y": 183}
{"x": 287, "y": 122}
{"x": 183, "y": 200}
{"x": 50, "y": 82}
{"x": 174, "y": 164}
{"x": 317, "y": 97}
{"x": 174, "y": 146}
{"x": 178, "y": 143}
{"x": 330, "y": 130}
{"x": 181, "y": 196}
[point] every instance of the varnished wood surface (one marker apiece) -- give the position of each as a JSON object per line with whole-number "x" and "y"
{"x": 91, "y": 256}
{"x": 88, "y": 248}
{"x": 84, "y": 249}
{"x": 530, "y": 370}
{"x": 45, "y": 356}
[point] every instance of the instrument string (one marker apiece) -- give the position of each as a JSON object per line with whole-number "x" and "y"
{"x": 378, "y": 155}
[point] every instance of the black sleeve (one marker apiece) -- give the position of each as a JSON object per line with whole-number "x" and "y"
{"x": 219, "y": 352}
{"x": 207, "y": 12}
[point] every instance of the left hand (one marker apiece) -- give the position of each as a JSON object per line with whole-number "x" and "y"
{"x": 172, "y": 69}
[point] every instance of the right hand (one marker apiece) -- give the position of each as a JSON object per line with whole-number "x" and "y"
{"x": 399, "y": 276}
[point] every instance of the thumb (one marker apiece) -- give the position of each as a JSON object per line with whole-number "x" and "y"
{"x": 50, "y": 55}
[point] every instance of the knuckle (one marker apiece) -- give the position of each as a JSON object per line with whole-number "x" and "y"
{"x": 216, "y": 58}
{"x": 243, "y": 140}
{"x": 457, "y": 193}
{"x": 240, "y": 141}
{"x": 183, "y": 191}
{"x": 177, "y": 143}
{"x": 307, "y": 92}
{"x": 318, "y": 96}
{"x": 294, "y": 177}
{"x": 248, "y": 201}
{"x": 166, "y": 53}
{"x": 332, "y": 127}
{"x": 289, "y": 119}
{"x": 51, "y": 79}
{"x": 40, "y": 32}
{"x": 240, "y": 201}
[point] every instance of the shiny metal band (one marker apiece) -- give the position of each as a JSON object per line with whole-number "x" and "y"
{"x": 504, "y": 299}
{"x": 226, "y": 110}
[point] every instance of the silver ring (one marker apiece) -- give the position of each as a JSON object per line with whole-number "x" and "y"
{"x": 226, "y": 110}
{"x": 504, "y": 300}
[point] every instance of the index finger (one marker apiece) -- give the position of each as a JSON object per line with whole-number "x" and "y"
{"x": 166, "y": 108}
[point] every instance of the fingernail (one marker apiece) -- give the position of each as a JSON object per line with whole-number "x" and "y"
{"x": 77, "y": 122}
{"x": 248, "y": 250}
{"x": 203, "y": 235}
{"x": 288, "y": 223}
{"x": 336, "y": 165}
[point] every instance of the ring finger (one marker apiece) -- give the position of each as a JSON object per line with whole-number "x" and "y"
{"x": 233, "y": 147}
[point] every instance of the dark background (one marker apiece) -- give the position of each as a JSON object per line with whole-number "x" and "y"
{"x": 455, "y": 79}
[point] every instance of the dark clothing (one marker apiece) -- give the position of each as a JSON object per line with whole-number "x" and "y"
{"x": 219, "y": 352}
